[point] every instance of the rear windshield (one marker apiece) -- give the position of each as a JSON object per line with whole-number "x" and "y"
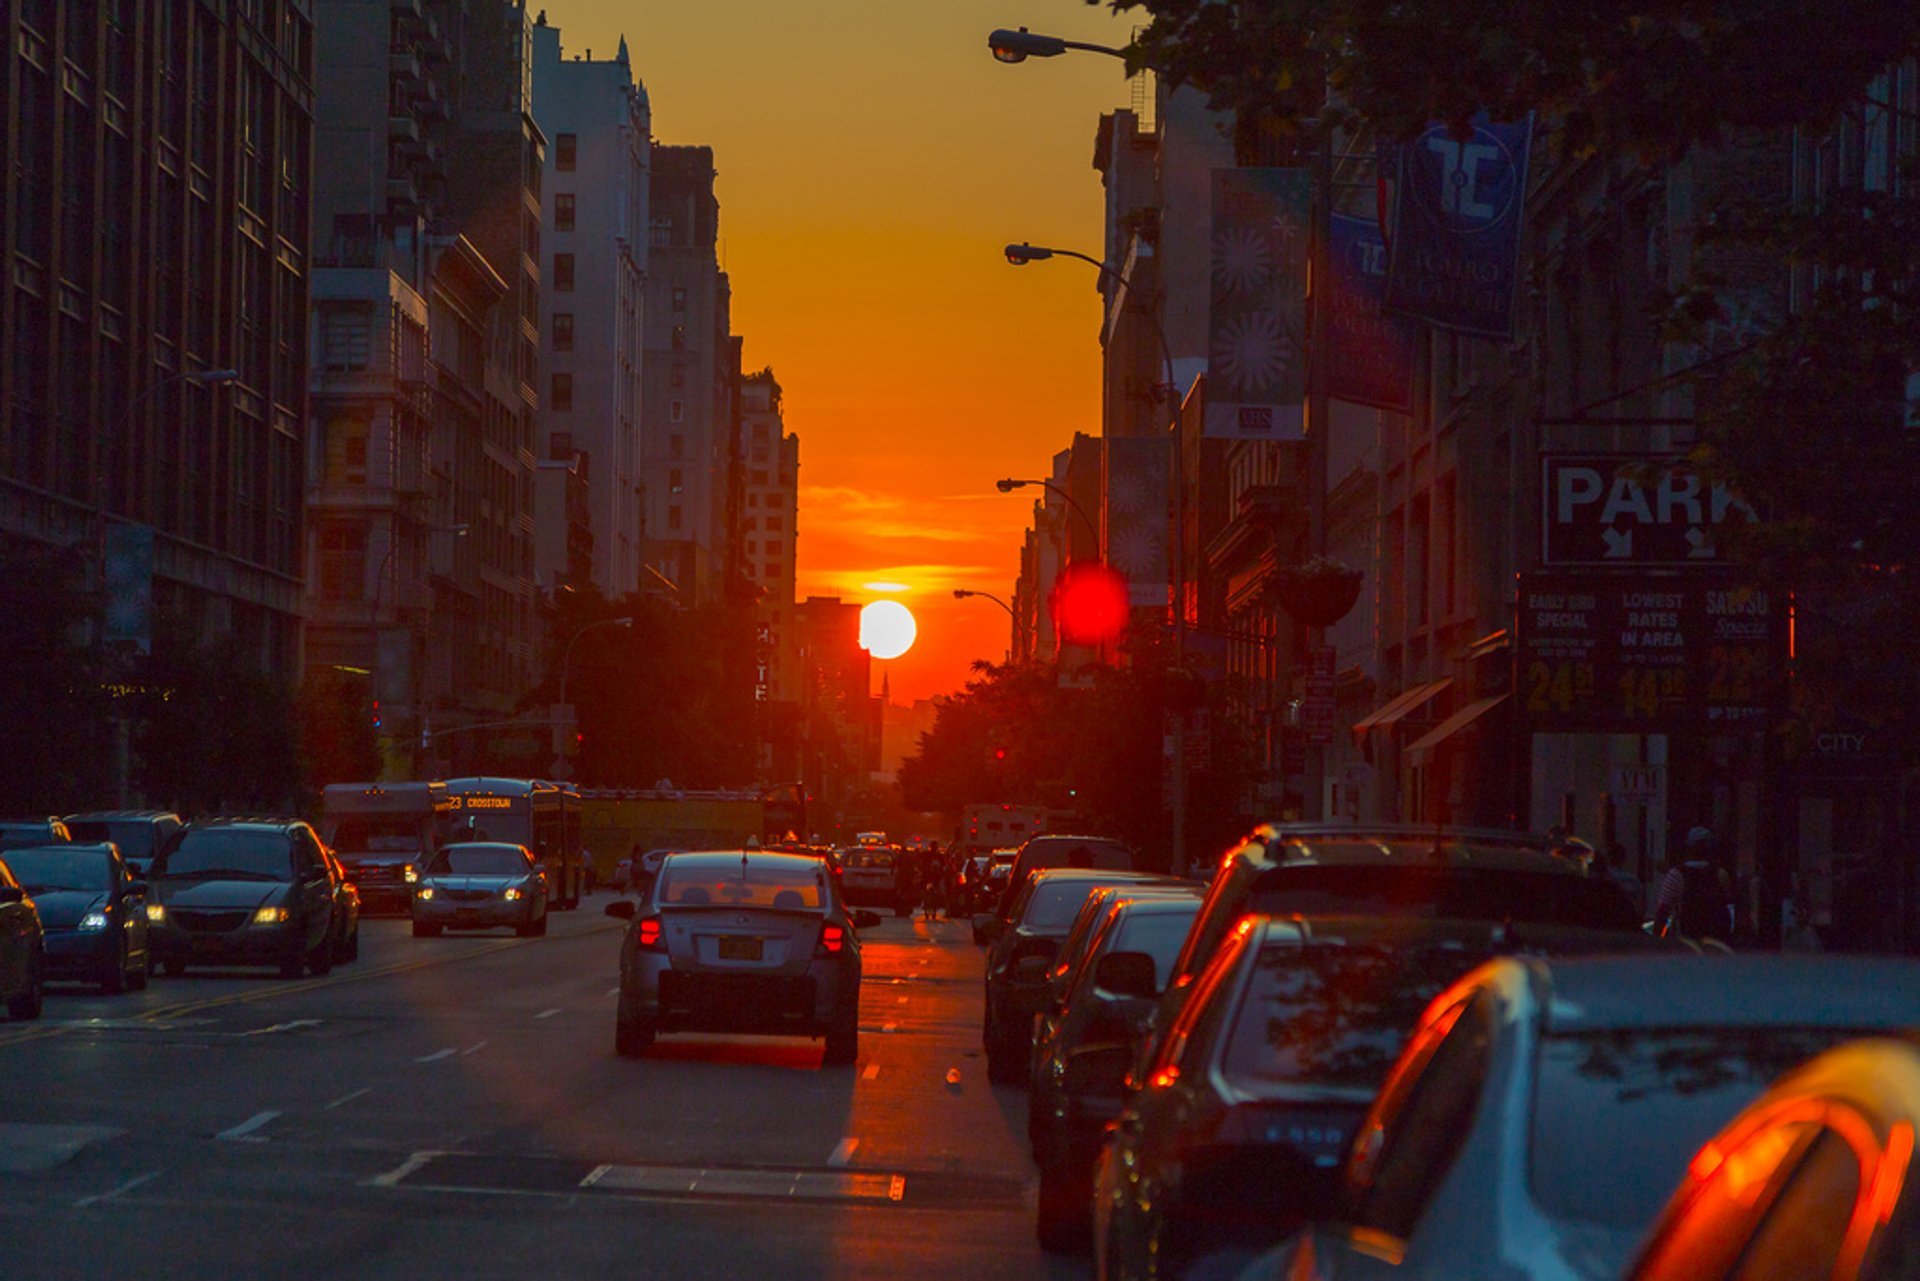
{"x": 1108, "y": 856}
{"x": 1335, "y": 1015}
{"x": 786, "y": 888}
{"x": 1468, "y": 894}
{"x": 379, "y": 833}
{"x": 244, "y": 855}
{"x": 1053, "y": 904}
{"x": 18, "y": 835}
{"x": 1638, "y": 1103}
{"x": 1158, "y": 934}
{"x": 42, "y": 871}
{"x": 479, "y": 860}
{"x": 868, "y": 858}
{"x": 135, "y": 838}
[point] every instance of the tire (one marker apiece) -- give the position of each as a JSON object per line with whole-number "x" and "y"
{"x": 173, "y": 968}
{"x": 1005, "y": 1065}
{"x": 320, "y": 960}
{"x": 1063, "y": 1219}
{"x": 843, "y": 1041}
{"x": 421, "y": 930}
{"x": 114, "y": 982}
{"x": 632, "y": 1040}
{"x": 28, "y": 1004}
{"x": 540, "y": 926}
{"x": 352, "y": 952}
{"x": 292, "y": 969}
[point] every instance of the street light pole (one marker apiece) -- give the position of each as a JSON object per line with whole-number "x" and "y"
{"x": 373, "y": 615}
{"x": 962, "y": 593}
{"x": 566, "y": 660}
{"x": 1008, "y": 485}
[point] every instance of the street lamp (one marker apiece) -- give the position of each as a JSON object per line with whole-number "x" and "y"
{"x": 1009, "y": 484}
{"x": 962, "y": 593}
{"x": 566, "y": 659}
{"x": 1018, "y": 46}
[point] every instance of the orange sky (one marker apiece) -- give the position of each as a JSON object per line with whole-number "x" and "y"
{"x": 873, "y": 160}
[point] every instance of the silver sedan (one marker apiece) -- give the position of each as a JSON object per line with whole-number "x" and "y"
{"x": 741, "y": 941}
{"x": 478, "y": 885}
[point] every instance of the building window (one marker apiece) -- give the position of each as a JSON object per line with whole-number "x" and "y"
{"x": 562, "y": 398}
{"x": 676, "y": 446}
{"x": 674, "y": 482}
{"x": 757, "y": 478}
{"x": 750, "y": 546}
{"x": 753, "y": 522}
{"x": 677, "y": 411}
{"x": 679, "y": 298}
{"x": 773, "y": 569}
{"x": 660, "y": 233}
{"x": 346, "y": 337}
{"x": 679, "y": 377}
{"x": 563, "y": 331}
{"x": 679, "y": 337}
{"x": 566, "y": 148}
{"x": 759, "y": 453}
{"x": 753, "y": 500}
{"x": 343, "y": 562}
{"x": 673, "y": 518}
{"x": 563, "y": 273}
{"x": 776, "y": 522}
{"x": 563, "y": 211}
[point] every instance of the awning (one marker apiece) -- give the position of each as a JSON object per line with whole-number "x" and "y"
{"x": 1421, "y": 748}
{"x": 1406, "y": 702}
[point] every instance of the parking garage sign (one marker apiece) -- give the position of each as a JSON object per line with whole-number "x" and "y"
{"x": 1632, "y": 511}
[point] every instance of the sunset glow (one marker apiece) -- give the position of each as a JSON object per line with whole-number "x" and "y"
{"x": 887, "y": 629}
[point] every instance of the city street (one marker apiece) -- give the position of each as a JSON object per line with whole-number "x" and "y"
{"x": 454, "y": 1106}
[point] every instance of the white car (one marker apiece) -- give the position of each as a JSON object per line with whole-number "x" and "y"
{"x": 1543, "y": 1110}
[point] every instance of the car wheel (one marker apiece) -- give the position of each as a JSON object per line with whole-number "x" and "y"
{"x": 27, "y": 1005}
{"x": 540, "y": 926}
{"x": 292, "y": 968}
{"x": 320, "y": 960}
{"x": 1062, "y": 1221}
{"x": 114, "y": 981}
{"x": 631, "y": 1040}
{"x": 173, "y": 969}
{"x": 422, "y": 930}
{"x": 351, "y": 952}
{"x": 843, "y": 1039}
{"x": 1004, "y": 1065}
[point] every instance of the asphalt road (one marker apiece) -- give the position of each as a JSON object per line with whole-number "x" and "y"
{"x": 453, "y": 1107}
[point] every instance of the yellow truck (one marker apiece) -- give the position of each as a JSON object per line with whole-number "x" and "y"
{"x": 620, "y": 823}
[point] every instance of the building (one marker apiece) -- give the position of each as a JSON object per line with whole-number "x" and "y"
{"x": 153, "y": 354}
{"x": 688, "y": 379}
{"x": 563, "y": 532}
{"x": 839, "y": 719}
{"x": 769, "y": 526}
{"x": 596, "y": 118}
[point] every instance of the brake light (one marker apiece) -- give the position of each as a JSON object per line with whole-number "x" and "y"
{"x": 832, "y": 939}
{"x": 650, "y": 934}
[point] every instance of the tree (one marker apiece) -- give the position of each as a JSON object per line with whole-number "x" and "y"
{"x": 337, "y": 742}
{"x": 51, "y": 694}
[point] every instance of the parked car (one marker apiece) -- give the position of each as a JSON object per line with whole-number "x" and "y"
{"x": 1021, "y": 955}
{"x": 741, "y": 941}
{"x": 346, "y": 909}
{"x": 252, "y": 891}
{"x": 1813, "y": 1179}
{"x": 877, "y": 876}
{"x": 93, "y": 912}
{"x": 1037, "y": 853}
{"x": 22, "y": 949}
{"x": 1542, "y": 1110}
{"x": 1078, "y": 1085}
{"x": 17, "y": 833}
{"x": 478, "y": 885}
{"x": 137, "y": 834}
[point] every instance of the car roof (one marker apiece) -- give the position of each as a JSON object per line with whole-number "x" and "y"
{"x": 1593, "y": 994}
{"x": 1324, "y": 846}
{"x": 114, "y": 816}
{"x": 704, "y": 860}
{"x": 1106, "y": 876}
{"x": 63, "y": 848}
{"x": 1440, "y": 932}
{"x": 252, "y": 821}
{"x": 483, "y": 845}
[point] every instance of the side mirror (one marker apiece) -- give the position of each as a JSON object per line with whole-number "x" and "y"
{"x": 1098, "y": 1072}
{"x": 1126, "y": 974}
{"x": 623, "y": 908}
{"x": 1031, "y": 969}
{"x": 865, "y": 920}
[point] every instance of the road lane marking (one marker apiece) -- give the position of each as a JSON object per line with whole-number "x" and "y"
{"x": 244, "y": 1132}
{"x": 843, "y": 1151}
{"x": 888, "y": 1027}
{"x": 111, "y": 1193}
{"x": 613, "y": 991}
{"x": 903, "y": 1000}
{"x": 477, "y": 1045}
{"x": 348, "y": 1098}
{"x": 293, "y": 1026}
{"x": 898, "y": 1188}
{"x": 401, "y": 1171}
{"x": 437, "y": 1055}
{"x": 547, "y": 1014}
{"x": 595, "y": 1175}
{"x": 873, "y": 1070}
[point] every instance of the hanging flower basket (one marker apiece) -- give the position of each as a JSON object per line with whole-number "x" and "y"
{"x": 1318, "y": 592}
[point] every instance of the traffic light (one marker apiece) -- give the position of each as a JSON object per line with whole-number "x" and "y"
{"x": 1090, "y": 603}
{"x": 999, "y": 753}
{"x": 376, "y": 713}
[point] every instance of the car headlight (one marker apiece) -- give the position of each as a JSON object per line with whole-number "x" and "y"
{"x": 511, "y": 893}
{"x": 156, "y": 913}
{"x": 411, "y": 873}
{"x": 270, "y": 916}
{"x": 93, "y": 922}
{"x": 425, "y": 891}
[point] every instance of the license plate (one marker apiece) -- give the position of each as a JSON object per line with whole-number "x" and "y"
{"x": 737, "y": 948}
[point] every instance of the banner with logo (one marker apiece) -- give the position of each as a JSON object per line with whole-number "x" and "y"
{"x": 1257, "y": 331}
{"x": 1370, "y": 353}
{"x": 129, "y": 586}
{"x": 1139, "y": 489}
{"x": 1457, "y": 213}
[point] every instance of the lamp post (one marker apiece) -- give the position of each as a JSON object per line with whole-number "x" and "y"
{"x": 373, "y": 617}
{"x": 1018, "y": 46}
{"x": 1009, "y": 484}
{"x": 566, "y": 659}
{"x": 962, "y": 593}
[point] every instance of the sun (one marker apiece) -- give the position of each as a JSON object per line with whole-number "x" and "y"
{"x": 887, "y": 629}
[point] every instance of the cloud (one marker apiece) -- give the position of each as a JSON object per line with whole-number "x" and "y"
{"x": 860, "y": 514}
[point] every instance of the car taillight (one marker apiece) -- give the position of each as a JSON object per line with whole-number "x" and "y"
{"x": 650, "y": 934}
{"x": 832, "y": 939}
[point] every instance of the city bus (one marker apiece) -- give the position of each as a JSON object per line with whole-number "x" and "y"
{"x": 545, "y": 817}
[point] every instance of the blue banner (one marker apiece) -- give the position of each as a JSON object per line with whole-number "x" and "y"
{"x": 1370, "y": 354}
{"x": 1457, "y": 213}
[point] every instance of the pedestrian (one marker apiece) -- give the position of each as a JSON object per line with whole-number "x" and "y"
{"x": 1620, "y": 875}
{"x": 1695, "y": 897}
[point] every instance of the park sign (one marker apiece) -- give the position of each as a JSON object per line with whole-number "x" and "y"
{"x": 1632, "y": 511}
{"x": 1617, "y": 653}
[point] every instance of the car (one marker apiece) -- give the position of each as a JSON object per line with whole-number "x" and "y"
{"x": 478, "y": 885}
{"x": 93, "y": 912}
{"x": 23, "y": 972}
{"x": 17, "y": 833}
{"x": 1021, "y": 954}
{"x": 346, "y": 909}
{"x": 1541, "y": 1110}
{"x": 242, "y": 891}
{"x": 1813, "y": 1179}
{"x": 873, "y": 875}
{"x": 137, "y": 834}
{"x": 1079, "y": 1076}
{"x": 1060, "y": 850}
{"x": 741, "y": 941}
{"x": 1234, "y": 1130}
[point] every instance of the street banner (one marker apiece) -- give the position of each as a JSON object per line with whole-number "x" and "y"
{"x": 1370, "y": 353}
{"x": 129, "y": 586}
{"x": 1457, "y": 215}
{"x": 1139, "y": 469}
{"x": 1632, "y": 511}
{"x": 1317, "y": 707}
{"x": 1257, "y": 329}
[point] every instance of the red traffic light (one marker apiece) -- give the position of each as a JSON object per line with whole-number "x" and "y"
{"x": 999, "y": 753}
{"x": 1090, "y": 603}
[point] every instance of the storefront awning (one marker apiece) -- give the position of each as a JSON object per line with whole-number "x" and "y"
{"x": 1405, "y": 703}
{"x": 1422, "y": 748}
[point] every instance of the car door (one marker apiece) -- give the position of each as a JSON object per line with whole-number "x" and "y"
{"x": 17, "y": 917}
{"x": 131, "y": 905}
{"x": 315, "y": 887}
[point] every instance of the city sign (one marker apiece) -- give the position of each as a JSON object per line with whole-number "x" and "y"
{"x": 1614, "y": 654}
{"x": 1631, "y": 511}
{"x": 1317, "y": 705}
{"x": 1637, "y": 784}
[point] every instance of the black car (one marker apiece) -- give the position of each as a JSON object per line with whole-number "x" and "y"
{"x": 137, "y": 834}
{"x": 1022, "y": 953}
{"x": 1078, "y": 1085}
{"x": 93, "y": 911}
{"x": 18, "y": 833}
{"x": 1071, "y": 958}
{"x": 243, "y": 892}
{"x": 1038, "y": 853}
{"x": 22, "y": 950}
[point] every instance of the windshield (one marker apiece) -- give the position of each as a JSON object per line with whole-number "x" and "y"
{"x": 494, "y": 825}
{"x": 135, "y": 839}
{"x": 20, "y": 835}
{"x": 1053, "y": 904}
{"x": 1467, "y": 894}
{"x": 1159, "y": 934}
{"x": 1067, "y": 851}
{"x": 480, "y": 860}
{"x": 1618, "y": 1114}
{"x": 379, "y": 834}
{"x": 246, "y": 855}
{"x": 1335, "y": 1015}
{"x": 41, "y": 871}
{"x": 785, "y": 887}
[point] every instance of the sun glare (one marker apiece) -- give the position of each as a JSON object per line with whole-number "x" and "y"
{"x": 887, "y": 629}
{"x": 886, "y": 587}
